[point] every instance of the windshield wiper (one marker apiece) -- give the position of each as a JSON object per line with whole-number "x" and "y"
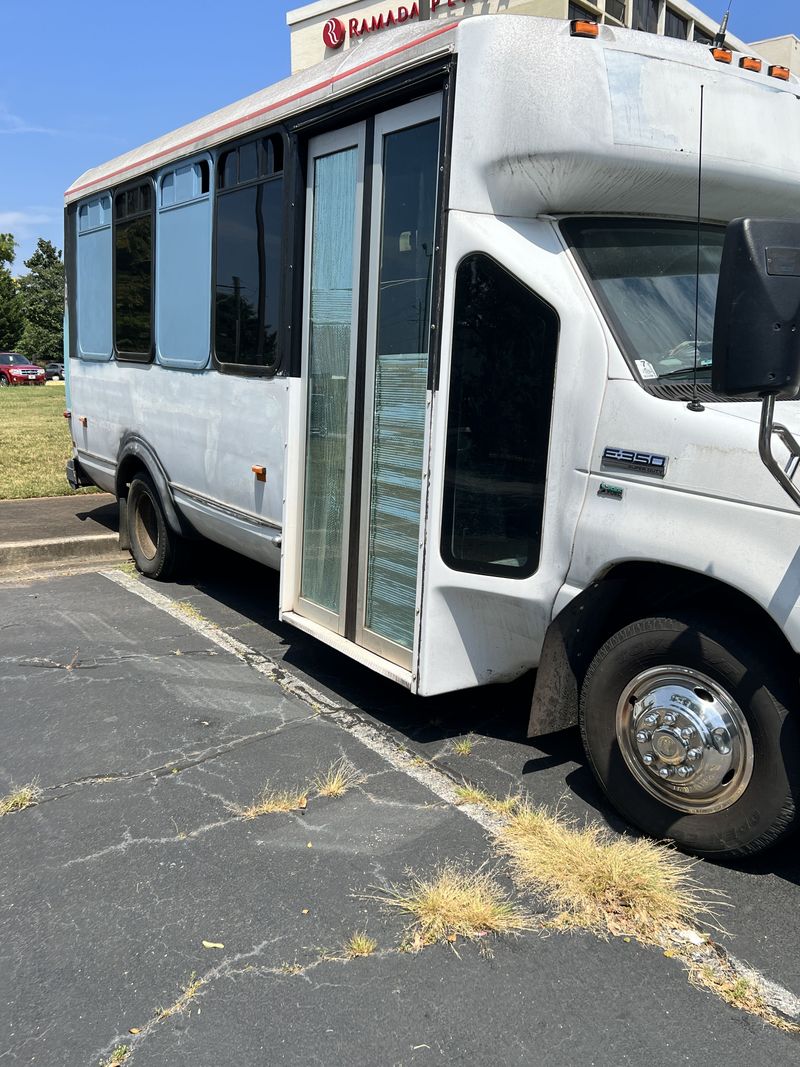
{"x": 684, "y": 370}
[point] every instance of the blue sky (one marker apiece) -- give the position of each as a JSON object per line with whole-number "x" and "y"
{"x": 82, "y": 82}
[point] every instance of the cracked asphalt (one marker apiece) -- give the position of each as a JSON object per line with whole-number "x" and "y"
{"x": 143, "y": 734}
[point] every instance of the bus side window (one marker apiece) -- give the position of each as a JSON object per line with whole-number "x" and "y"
{"x": 93, "y": 278}
{"x": 183, "y": 275}
{"x": 249, "y": 227}
{"x": 133, "y": 272}
{"x": 498, "y": 425}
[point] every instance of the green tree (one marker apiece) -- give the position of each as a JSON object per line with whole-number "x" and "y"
{"x": 7, "y": 246}
{"x": 11, "y": 316}
{"x": 42, "y": 295}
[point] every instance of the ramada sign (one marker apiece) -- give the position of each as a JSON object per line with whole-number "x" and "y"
{"x": 335, "y": 32}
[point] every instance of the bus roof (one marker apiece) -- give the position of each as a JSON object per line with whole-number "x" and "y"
{"x": 551, "y": 123}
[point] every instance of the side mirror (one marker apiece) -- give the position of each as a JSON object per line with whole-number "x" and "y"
{"x": 757, "y": 322}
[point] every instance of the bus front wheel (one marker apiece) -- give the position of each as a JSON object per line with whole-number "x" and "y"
{"x": 154, "y": 546}
{"x": 688, "y": 731}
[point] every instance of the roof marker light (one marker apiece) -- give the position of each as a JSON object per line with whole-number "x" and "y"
{"x": 776, "y": 71}
{"x": 722, "y": 55}
{"x": 751, "y": 63}
{"x": 583, "y": 28}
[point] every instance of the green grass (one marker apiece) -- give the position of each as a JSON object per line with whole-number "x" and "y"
{"x": 34, "y": 442}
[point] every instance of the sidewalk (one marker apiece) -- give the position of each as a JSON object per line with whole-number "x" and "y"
{"x": 54, "y": 533}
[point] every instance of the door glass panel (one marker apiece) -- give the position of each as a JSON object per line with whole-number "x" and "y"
{"x": 331, "y": 318}
{"x": 410, "y": 172}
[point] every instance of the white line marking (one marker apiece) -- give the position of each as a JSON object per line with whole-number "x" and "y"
{"x": 439, "y": 783}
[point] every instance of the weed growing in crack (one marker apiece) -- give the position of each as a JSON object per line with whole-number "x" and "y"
{"x": 456, "y": 902}
{"x": 271, "y": 801}
{"x": 340, "y": 777}
{"x": 117, "y": 1058}
{"x": 737, "y": 990}
{"x": 24, "y": 796}
{"x": 463, "y": 746}
{"x": 360, "y": 945}
{"x": 189, "y": 610}
{"x": 188, "y": 994}
{"x": 468, "y": 794}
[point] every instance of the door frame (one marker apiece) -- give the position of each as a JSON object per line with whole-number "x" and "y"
{"x": 406, "y": 116}
{"x": 325, "y": 144}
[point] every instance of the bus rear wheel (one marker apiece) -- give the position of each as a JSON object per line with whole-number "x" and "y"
{"x": 688, "y": 732}
{"x": 154, "y": 546}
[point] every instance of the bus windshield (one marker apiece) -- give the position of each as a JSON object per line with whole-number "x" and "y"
{"x": 644, "y": 274}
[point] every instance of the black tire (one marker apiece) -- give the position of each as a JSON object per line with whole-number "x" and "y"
{"x": 154, "y": 546}
{"x": 756, "y": 677}
{"x": 3, "y": 380}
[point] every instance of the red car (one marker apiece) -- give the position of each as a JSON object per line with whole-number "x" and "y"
{"x": 18, "y": 370}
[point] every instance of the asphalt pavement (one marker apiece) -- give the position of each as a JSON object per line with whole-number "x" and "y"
{"x": 143, "y": 733}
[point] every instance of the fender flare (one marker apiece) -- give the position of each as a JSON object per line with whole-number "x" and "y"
{"x": 135, "y": 448}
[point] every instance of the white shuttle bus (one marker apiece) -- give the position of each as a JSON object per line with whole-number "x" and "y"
{"x": 430, "y": 328}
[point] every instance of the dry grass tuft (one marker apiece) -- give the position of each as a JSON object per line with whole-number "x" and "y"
{"x": 24, "y": 796}
{"x": 360, "y": 945}
{"x": 338, "y": 779}
{"x": 271, "y": 801}
{"x": 188, "y": 994}
{"x": 600, "y": 882}
{"x": 469, "y": 794}
{"x": 118, "y": 1057}
{"x": 463, "y": 746}
{"x": 456, "y": 902}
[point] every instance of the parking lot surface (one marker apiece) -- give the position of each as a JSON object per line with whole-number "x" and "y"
{"x": 144, "y": 734}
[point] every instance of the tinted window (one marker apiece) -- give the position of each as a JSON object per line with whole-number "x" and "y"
{"x": 675, "y": 25}
{"x": 498, "y": 429}
{"x": 645, "y": 15}
{"x": 133, "y": 272}
{"x": 248, "y": 255}
{"x": 616, "y": 8}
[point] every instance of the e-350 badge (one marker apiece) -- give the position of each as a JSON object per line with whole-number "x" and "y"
{"x": 628, "y": 459}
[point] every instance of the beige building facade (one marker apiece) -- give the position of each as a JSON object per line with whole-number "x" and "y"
{"x": 324, "y": 27}
{"x": 782, "y": 50}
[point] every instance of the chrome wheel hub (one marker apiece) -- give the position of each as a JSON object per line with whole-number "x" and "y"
{"x": 685, "y": 739}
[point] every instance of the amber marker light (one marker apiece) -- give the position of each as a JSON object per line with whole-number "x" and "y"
{"x": 67, "y": 414}
{"x": 751, "y": 63}
{"x": 722, "y": 55}
{"x": 776, "y": 71}
{"x": 583, "y": 28}
{"x": 260, "y": 473}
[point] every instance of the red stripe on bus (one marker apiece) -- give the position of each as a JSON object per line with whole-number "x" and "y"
{"x": 264, "y": 110}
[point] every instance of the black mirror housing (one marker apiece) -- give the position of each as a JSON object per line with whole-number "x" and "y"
{"x": 757, "y": 321}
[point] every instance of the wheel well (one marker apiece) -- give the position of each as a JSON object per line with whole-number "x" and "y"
{"x": 127, "y": 470}
{"x": 626, "y": 592}
{"x": 136, "y": 456}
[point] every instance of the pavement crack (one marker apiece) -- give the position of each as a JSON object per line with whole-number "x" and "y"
{"x": 182, "y": 763}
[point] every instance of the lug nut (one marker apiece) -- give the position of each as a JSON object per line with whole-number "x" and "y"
{"x": 722, "y": 741}
{"x": 686, "y": 733}
{"x": 651, "y": 720}
{"x": 694, "y": 753}
{"x": 669, "y": 718}
{"x": 684, "y": 772}
{"x": 643, "y": 736}
{"x": 648, "y": 759}
{"x": 665, "y": 772}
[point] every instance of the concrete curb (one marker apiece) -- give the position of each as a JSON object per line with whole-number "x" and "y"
{"x": 18, "y": 555}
